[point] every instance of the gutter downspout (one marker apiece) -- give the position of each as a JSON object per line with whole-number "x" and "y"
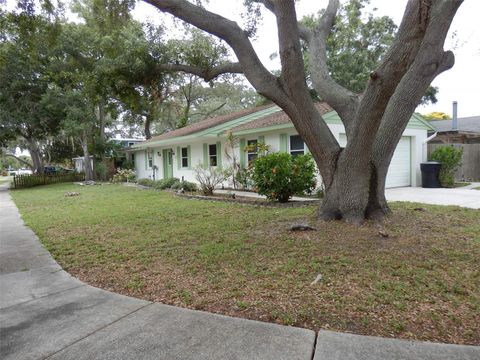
{"x": 424, "y": 146}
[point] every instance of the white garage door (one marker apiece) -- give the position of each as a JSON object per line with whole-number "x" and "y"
{"x": 399, "y": 172}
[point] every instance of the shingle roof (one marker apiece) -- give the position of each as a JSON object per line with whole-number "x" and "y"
{"x": 470, "y": 124}
{"x": 206, "y": 124}
{"x": 277, "y": 118}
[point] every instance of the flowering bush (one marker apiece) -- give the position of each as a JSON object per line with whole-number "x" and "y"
{"x": 278, "y": 176}
{"x": 123, "y": 175}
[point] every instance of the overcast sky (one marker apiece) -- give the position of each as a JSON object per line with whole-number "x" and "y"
{"x": 461, "y": 83}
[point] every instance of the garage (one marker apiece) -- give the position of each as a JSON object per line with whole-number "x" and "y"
{"x": 399, "y": 172}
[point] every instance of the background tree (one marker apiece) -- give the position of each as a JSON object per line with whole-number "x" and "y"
{"x": 436, "y": 115}
{"x": 356, "y": 45}
{"x": 29, "y": 110}
{"x": 374, "y": 120}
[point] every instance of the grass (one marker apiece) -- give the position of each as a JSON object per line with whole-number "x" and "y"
{"x": 421, "y": 282}
{"x": 460, "y": 184}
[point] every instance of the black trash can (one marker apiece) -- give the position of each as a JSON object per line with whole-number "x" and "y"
{"x": 430, "y": 173}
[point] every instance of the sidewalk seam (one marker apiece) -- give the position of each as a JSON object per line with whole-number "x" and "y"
{"x": 314, "y": 345}
{"x": 97, "y": 330}
{"x": 44, "y": 296}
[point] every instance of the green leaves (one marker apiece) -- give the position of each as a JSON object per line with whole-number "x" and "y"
{"x": 450, "y": 158}
{"x": 278, "y": 176}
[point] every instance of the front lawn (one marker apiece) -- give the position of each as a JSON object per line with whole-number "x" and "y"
{"x": 419, "y": 280}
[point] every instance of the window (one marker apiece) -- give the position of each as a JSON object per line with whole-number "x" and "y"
{"x": 252, "y": 150}
{"x": 184, "y": 157}
{"x": 212, "y": 154}
{"x": 297, "y": 146}
{"x": 150, "y": 159}
{"x": 132, "y": 157}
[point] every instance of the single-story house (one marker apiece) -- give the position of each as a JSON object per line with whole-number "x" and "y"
{"x": 460, "y": 131}
{"x": 176, "y": 153}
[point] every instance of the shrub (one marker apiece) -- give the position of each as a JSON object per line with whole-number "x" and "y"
{"x": 123, "y": 175}
{"x": 4, "y": 173}
{"x": 101, "y": 171}
{"x": 185, "y": 185}
{"x": 145, "y": 182}
{"x": 164, "y": 184}
{"x": 209, "y": 178}
{"x": 450, "y": 158}
{"x": 278, "y": 176}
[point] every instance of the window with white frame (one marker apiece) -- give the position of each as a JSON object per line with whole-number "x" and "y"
{"x": 252, "y": 150}
{"x": 297, "y": 146}
{"x": 184, "y": 156}
{"x": 150, "y": 159}
{"x": 212, "y": 154}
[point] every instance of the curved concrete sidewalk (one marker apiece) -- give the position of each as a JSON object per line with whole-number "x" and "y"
{"x": 46, "y": 313}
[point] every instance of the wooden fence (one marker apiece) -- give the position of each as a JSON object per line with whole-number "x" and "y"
{"x": 470, "y": 168}
{"x": 26, "y": 181}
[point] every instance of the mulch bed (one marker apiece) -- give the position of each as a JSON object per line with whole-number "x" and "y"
{"x": 250, "y": 201}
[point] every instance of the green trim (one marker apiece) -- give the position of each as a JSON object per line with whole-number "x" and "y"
{"x": 417, "y": 121}
{"x": 331, "y": 118}
{"x": 214, "y": 131}
{"x": 179, "y": 158}
{"x": 220, "y": 129}
{"x": 242, "y": 152}
{"x": 265, "y": 129}
{"x": 283, "y": 143}
{"x": 205, "y": 154}
{"x": 219, "y": 154}
{"x": 189, "y": 156}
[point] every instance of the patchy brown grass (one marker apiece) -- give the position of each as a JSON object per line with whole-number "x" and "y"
{"x": 420, "y": 282}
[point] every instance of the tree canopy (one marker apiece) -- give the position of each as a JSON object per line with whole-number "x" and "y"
{"x": 374, "y": 113}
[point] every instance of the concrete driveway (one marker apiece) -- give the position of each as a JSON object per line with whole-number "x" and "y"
{"x": 464, "y": 196}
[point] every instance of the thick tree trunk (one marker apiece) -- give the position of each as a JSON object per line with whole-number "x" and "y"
{"x": 36, "y": 156}
{"x": 87, "y": 162}
{"x": 148, "y": 123}
{"x": 354, "y": 193}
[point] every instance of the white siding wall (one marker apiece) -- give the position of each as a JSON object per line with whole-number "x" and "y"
{"x": 272, "y": 138}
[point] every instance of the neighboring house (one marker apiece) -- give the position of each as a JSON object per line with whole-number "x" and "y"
{"x": 465, "y": 131}
{"x": 176, "y": 153}
{"x": 124, "y": 143}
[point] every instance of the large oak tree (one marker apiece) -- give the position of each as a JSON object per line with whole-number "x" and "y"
{"x": 374, "y": 120}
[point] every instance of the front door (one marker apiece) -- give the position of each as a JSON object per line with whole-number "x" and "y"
{"x": 167, "y": 164}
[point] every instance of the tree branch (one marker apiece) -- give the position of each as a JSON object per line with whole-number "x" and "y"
{"x": 430, "y": 61}
{"x": 21, "y": 160}
{"x": 265, "y": 83}
{"x": 306, "y": 118}
{"x": 389, "y": 73}
{"x": 206, "y": 74}
{"x": 342, "y": 100}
